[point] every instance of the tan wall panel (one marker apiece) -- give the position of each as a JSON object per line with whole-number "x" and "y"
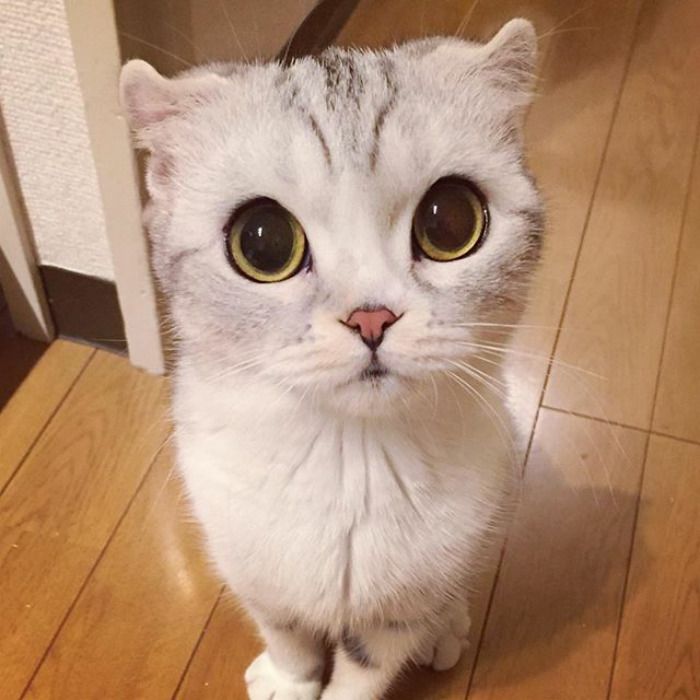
{"x": 174, "y": 33}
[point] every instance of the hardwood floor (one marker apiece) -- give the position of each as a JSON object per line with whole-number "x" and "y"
{"x": 104, "y": 589}
{"x": 17, "y": 354}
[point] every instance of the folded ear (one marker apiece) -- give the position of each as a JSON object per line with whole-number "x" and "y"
{"x": 510, "y": 58}
{"x": 150, "y": 100}
{"x": 505, "y": 64}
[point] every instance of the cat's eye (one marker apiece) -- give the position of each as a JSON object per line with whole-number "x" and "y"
{"x": 265, "y": 242}
{"x": 451, "y": 220}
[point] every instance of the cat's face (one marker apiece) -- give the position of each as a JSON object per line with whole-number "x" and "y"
{"x": 346, "y": 226}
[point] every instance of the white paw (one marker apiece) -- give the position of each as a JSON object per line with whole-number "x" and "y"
{"x": 443, "y": 651}
{"x": 266, "y": 682}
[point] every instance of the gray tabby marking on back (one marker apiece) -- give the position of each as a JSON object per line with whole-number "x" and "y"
{"x": 356, "y": 650}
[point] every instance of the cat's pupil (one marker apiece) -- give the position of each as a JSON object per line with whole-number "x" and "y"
{"x": 449, "y": 219}
{"x": 267, "y": 239}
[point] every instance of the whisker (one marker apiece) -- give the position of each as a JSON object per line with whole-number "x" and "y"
{"x": 503, "y": 349}
{"x": 505, "y": 325}
{"x": 256, "y": 26}
{"x": 422, "y": 32}
{"x": 493, "y": 382}
{"x": 566, "y": 20}
{"x": 234, "y": 33}
{"x": 436, "y": 397}
{"x": 466, "y": 19}
{"x": 489, "y": 360}
{"x": 184, "y": 36}
{"x": 238, "y": 368}
{"x": 565, "y": 30}
{"x": 490, "y": 412}
{"x": 590, "y": 394}
{"x": 157, "y": 48}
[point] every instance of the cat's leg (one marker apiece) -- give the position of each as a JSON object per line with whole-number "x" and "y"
{"x": 367, "y": 663}
{"x": 290, "y": 668}
{"x": 442, "y": 649}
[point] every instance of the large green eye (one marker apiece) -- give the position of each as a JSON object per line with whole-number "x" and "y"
{"x": 265, "y": 242}
{"x": 450, "y": 221}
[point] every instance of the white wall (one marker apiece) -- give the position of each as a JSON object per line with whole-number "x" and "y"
{"x": 45, "y": 120}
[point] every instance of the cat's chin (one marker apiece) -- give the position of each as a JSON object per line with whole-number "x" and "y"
{"x": 371, "y": 394}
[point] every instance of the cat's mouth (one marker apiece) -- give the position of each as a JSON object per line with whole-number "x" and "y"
{"x": 370, "y": 390}
{"x": 375, "y": 371}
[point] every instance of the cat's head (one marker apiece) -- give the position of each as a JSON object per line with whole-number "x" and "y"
{"x": 348, "y": 225}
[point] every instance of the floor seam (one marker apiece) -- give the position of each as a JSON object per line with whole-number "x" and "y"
{"x": 92, "y": 570}
{"x": 630, "y": 554}
{"x": 198, "y": 643}
{"x": 523, "y": 465}
{"x": 594, "y": 194}
{"x": 657, "y": 384}
{"x": 586, "y": 416}
{"x": 47, "y": 423}
{"x": 676, "y": 265}
{"x": 492, "y": 594}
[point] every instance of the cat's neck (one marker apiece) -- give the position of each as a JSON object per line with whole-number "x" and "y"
{"x": 267, "y": 411}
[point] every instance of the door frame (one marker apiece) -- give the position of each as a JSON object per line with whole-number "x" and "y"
{"x": 19, "y": 274}
{"x": 93, "y": 31}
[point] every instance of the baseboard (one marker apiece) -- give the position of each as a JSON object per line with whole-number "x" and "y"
{"x": 84, "y": 308}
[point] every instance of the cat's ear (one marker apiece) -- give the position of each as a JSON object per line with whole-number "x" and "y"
{"x": 153, "y": 104}
{"x": 150, "y": 100}
{"x": 510, "y": 59}
{"x": 505, "y": 65}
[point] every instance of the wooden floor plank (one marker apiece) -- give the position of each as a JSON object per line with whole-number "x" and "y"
{"x": 17, "y": 357}
{"x": 227, "y": 648}
{"x": 658, "y": 652}
{"x": 677, "y": 407}
{"x": 616, "y": 314}
{"x": 31, "y": 406}
{"x": 59, "y": 511}
{"x": 567, "y": 131}
{"x": 553, "y": 621}
{"x": 140, "y": 615}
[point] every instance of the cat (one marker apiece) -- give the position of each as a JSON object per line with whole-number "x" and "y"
{"x": 338, "y": 239}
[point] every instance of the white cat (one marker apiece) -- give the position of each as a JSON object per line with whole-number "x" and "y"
{"x": 338, "y": 240}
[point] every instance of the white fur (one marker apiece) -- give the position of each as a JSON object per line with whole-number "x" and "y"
{"x": 334, "y": 506}
{"x": 266, "y": 680}
{"x": 338, "y": 536}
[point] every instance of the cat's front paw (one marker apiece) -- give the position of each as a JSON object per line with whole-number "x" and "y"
{"x": 442, "y": 652}
{"x": 267, "y": 682}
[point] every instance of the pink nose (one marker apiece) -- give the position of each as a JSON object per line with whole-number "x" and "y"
{"x": 371, "y": 324}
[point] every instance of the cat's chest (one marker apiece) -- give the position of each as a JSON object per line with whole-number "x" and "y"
{"x": 341, "y": 514}
{"x": 346, "y": 472}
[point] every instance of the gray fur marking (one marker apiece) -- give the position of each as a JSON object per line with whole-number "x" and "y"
{"x": 322, "y": 140}
{"x": 355, "y": 650}
{"x": 397, "y": 625}
{"x": 535, "y": 223}
{"x": 381, "y": 117}
{"x": 343, "y": 82}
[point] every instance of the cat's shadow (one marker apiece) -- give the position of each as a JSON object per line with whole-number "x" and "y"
{"x": 558, "y": 598}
